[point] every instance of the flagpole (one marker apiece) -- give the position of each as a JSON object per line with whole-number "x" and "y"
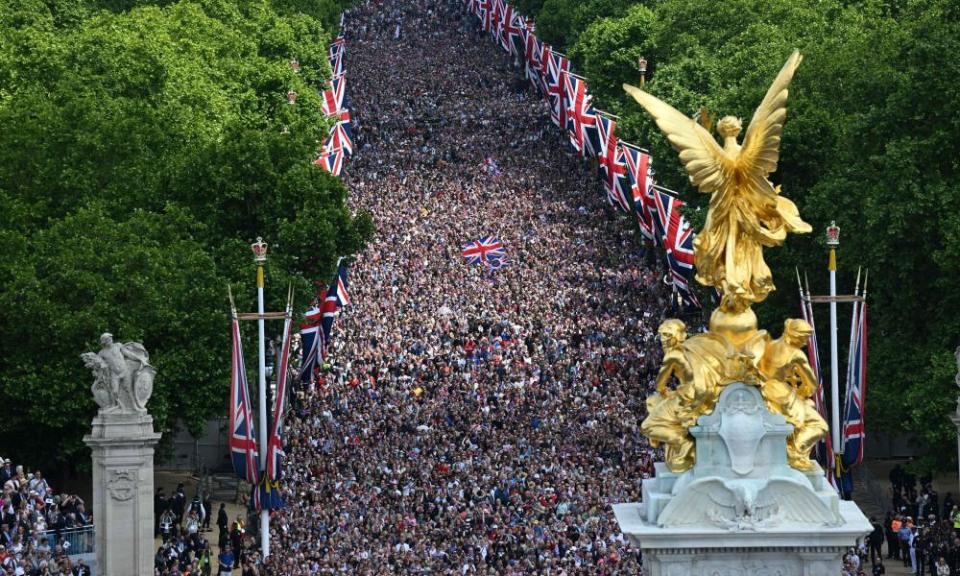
{"x": 833, "y": 240}
{"x": 260, "y": 257}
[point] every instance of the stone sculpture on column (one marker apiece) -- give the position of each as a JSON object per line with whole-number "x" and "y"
{"x": 122, "y": 441}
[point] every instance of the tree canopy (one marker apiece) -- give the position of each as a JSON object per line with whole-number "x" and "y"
{"x": 145, "y": 145}
{"x": 871, "y": 141}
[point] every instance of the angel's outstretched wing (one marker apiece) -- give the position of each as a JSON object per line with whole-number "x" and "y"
{"x": 706, "y": 162}
{"x": 702, "y": 499}
{"x": 761, "y": 145}
{"x": 794, "y": 502}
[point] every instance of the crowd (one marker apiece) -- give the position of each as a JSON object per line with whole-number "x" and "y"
{"x": 181, "y": 525}
{"x": 39, "y": 527}
{"x": 471, "y": 421}
{"x": 920, "y": 533}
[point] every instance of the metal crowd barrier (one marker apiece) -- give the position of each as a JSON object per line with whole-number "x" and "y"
{"x": 75, "y": 540}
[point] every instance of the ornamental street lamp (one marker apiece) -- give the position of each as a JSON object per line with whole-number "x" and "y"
{"x": 295, "y": 65}
{"x": 642, "y": 66}
{"x": 291, "y": 97}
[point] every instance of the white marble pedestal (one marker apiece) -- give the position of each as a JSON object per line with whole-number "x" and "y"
{"x": 742, "y": 510}
{"x": 122, "y": 446}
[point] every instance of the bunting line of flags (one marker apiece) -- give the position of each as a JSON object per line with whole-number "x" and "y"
{"x": 625, "y": 169}
{"x": 339, "y": 143}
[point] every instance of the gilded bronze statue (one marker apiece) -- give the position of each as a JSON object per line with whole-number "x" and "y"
{"x": 746, "y": 214}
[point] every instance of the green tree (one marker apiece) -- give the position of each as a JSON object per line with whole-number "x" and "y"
{"x": 146, "y": 144}
{"x": 871, "y": 141}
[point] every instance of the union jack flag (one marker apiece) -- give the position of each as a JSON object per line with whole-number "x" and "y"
{"x": 497, "y": 263}
{"x": 510, "y": 30}
{"x": 533, "y": 54}
{"x": 487, "y": 9}
{"x": 853, "y": 420}
{"x": 309, "y": 334}
{"x": 328, "y": 312}
{"x": 275, "y": 452}
{"x": 483, "y": 251}
{"x": 317, "y": 328}
{"x": 334, "y": 99}
{"x": 341, "y": 137}
{"x": 336, "y": 61}
{"x": 557, "y": 67}
{"x": 496, "y": 15}
{"x": 243, "y": 444}
{"x": 343, "y": 298}
{"x": 641, "y": 186}
{"x": 331, "y": 161}
{"x": 613, "y": 165}
{"x": 480, "y": 10}
{"x": 678, "y": 242}
{"x": 580, "y": 114}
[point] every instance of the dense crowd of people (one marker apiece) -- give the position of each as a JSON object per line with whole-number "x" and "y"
{"x": 185, "y": 550}
{"x": 471, "y": 421}
{"x": 40, "y": 528}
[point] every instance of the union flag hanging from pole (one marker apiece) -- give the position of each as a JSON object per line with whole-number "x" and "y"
{"x": 243, "y": 444}
{"x": 275, "y": 442}
{"x": 853, "y": 421}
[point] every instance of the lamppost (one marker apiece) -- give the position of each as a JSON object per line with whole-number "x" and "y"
{"x": 642, "y": 66}
{"x": 833, "y": 241}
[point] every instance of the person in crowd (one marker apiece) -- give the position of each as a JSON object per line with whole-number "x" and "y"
{"x": 159, "y": 505}
{"x": 223, "y": 522}
{"x": 876, "y": 542}
{"x": 208, "y": 512}
{"x": 225, "y": 561}
{"x": 178, "y": 504}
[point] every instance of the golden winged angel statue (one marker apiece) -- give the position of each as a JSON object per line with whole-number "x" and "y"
{"x": 746, "y": 211}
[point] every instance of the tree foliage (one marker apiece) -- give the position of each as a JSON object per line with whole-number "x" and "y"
{"x": 871, "y": 141}
{"x": 145, "y": 145}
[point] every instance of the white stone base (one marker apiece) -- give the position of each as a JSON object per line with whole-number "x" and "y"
{"x": 716, "y": 552}
{"x": 742, "y": 510}
{"x": 122, "y": 446}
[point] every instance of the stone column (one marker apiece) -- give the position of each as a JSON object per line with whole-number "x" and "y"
{"x": 122, "y": 445}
